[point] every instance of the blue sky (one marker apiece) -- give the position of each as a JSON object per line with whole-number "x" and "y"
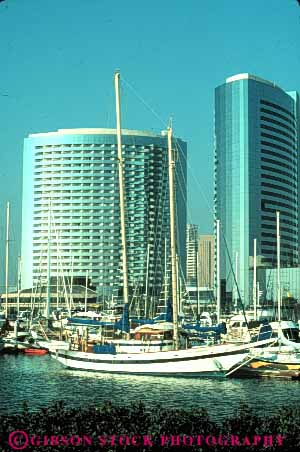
{"x": 58, "y": 58}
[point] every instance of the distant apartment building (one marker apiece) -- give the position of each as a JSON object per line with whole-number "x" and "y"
{"x": 206, "y": 253}
{"x": 73, "y": 173}
{"x": 191, "y": 254}
{"x": 256, "y": 170}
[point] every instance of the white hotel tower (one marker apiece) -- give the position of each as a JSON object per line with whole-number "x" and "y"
{"x": 75, "y": 172}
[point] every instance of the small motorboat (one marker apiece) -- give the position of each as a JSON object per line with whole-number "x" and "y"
{"x": 35, "y": 351}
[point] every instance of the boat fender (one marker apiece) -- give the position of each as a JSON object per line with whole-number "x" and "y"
{"x": 217, "y": 364}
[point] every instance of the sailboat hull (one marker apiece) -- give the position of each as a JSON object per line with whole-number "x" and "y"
{"x": 269, "y": 369}
{"x": 200, "y": 361}
{"x": 276, "y": 364}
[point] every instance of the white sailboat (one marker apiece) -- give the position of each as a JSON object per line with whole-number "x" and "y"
{"x": 282, "y": 360}
{"x": 211, "y": 360}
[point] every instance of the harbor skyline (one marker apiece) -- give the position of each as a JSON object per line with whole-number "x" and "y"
{"x": 53, "y": 78}
{"x": 149, "y": 234}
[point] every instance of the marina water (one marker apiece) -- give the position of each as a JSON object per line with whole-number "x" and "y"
{"x": 40, "y": 380}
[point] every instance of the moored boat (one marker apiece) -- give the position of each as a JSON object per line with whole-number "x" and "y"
{"x": 283, "y": 360}
{"x": 35, "y": 351}
{"x": 268, "y": 365}
{"x": 11, "y": 345}
{"x": 277, "y": 361}
{"x": 214, "y": 360}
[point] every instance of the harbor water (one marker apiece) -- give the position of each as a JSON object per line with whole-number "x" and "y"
{"x": 40, "y": 380}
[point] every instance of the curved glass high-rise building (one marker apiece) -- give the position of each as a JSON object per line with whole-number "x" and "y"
{"x": 74, "y": 173}
{"x": 256, "y": 174}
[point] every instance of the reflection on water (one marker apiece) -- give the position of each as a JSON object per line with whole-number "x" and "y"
{"x": 40, "y": 380}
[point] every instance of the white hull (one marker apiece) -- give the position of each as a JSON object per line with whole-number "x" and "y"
{"x": 212, "y": 360}
{"x": 20, "y": 335}
{"x": 54, "y": 345}
{"x": 15, "y": 344}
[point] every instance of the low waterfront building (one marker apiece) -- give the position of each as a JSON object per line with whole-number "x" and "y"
{"x": 35, "y": 301}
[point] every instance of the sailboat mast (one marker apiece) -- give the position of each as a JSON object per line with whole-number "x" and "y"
{"x": 121, "y": 189}
{"x": 19, "y": 284}
{"x": 278, "y": 267}
{"x": 173, "y": 242}
{"x": 254, "y": 281}
{"x": 86, "y": 290}
{"x": 6, "y": 259}
{"x": 71, "y": 286}
{"x": 235, "y": 286}
{"x": 165, "y": 278}
{"x": 147, "y": 276}
{"x": 197, "y": 285}
{"x": 218, "y": 274}
{"x": 57, "y": 273}
{"x": 48, "y": 302}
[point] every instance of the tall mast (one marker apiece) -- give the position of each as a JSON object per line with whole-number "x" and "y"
{"x": 254, "y": 282}
{"x": 235, "y": 286}
{"x": 165, "y": 277}
{"x": 178, "y": 286}
{"x": 197, "y": 285}
{"x": 173, "y": 243}
{"x": 48, "y": 302}
{"x": 86, "y": 290}
{"x": 278, "y": 267}
{"x": 6, "y": 259}
{"x": 57, "y": 272}
{"x": 19, "y": 284}
{"x": 147, "y": 276}
{"x": 71, "y": 286}
{"x": 121, "y": 189}
{"x": 218, "y": 274}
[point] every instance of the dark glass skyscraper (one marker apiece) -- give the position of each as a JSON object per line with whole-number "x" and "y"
{"x": 256, "y": 174}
